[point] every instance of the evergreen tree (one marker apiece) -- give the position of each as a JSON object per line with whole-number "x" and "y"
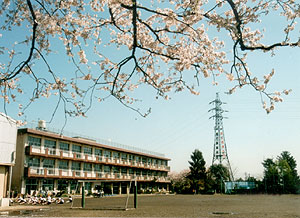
{"x": 287, "y": 166}
{"x": 280, "y": 176}
{"x": 197, "y": 173}
{"x": 271, "y": 176}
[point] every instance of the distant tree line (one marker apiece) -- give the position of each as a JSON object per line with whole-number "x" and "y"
{"x": 198, "y": 179}
{"x": 280, "y": 177}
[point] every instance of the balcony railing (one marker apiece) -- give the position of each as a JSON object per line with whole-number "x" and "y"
{"x": 67, "y": 154}
{"x": 93, "y": 158}
{"x": 52, "y": 172}
{"x": 66, "y": 173}
{"x": 77, "y": 173}
{"x": 81, "y": 174}
{"x": 89, "y": 174}
{"x": 100, "y": 175}
{"x": 36, "y": 171}
{"x": 163, "y": 179}
{"x": 90, "y": 157}
{"x": 52, "y": 151}
{"x": 37, "y": 149}
{"x": 78, "y": 155}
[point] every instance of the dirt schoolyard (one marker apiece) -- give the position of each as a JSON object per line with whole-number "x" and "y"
{"x": 250, "y": 206}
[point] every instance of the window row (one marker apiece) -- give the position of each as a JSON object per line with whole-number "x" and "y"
{"x": 77, "y": 166}
{"x": 35, "y": 141}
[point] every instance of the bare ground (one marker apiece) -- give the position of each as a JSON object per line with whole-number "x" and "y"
{"x": 250, "y": 206}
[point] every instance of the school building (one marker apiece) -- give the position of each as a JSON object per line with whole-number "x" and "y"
{"x": 8, "y": 134}
{"x": 50, "y": 161}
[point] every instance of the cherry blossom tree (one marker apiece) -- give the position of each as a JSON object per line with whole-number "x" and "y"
{"x": 116, "y": 46}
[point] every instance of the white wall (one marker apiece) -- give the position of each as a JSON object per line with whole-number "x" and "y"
{"x": 8, "y": 138}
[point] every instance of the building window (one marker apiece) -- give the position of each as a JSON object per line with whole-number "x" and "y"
{"x": 144, "y": 172}
{"x": 63, "y": 164}
{"x": 62, "y": 185}
{"x": 131, "y": 171}
{"x": 64, "y": 146}
{"x": 116, "y": 155}
{"x": 98, "y": 152}
{"x": 138, "y": 159}
{"x": 76, "y": 148}
{"x": 48, "y": 163}
{"x": 74, "y": 187}
{"x": 49, "y": 144}
{"x": 31, "y": 185}
{"x": 159, "y": 162}
{"x": 124, "y": 156}
{"x": 97, "y": 168}
{"x": 116, "y": 169}
{"x": 76, "y": 166}
{"x": 88, "y": 186}
{"x": 107, "y": 154}
{"x": 88, "y": 150}
{"x": 130, "y": 157}
{"x": 106, "y": 169}
{"x": 138, "y": 172}
{"x": 33, "y": 141}
{"x": 144, "y": 160}
{"x": 48, "y": 184}
{"x": 87, "y": 167}
{"x": 33, "y": 162}
{"x": 124, "y": 170}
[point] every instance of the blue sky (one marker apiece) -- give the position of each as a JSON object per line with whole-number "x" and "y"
{"x": 180, "y": 125}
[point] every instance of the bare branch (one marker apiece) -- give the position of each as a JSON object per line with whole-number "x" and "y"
{"x": 34, "y": 26}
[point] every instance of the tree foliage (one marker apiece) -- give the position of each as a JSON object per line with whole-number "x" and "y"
{"x": 217, "y": 174}
{"x": 163, "y": 44}
{"x": 280, "y": 175}
{"x": 198, "y": 179}
{"x": 197, "y": 173}
{"x": 181, "y": 184}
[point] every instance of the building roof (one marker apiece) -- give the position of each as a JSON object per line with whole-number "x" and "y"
{"x": 85, "y": 141}
{"x": 8, "y": 118}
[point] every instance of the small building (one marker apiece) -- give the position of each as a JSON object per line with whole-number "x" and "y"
{"x": 8, "y": 136}
{"x": 49, "y": 161}
{"x": 235, "y": 186}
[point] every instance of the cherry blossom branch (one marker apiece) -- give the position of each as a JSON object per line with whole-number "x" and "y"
{"x": 176, "y": 37}
{"x": 134, "y": 18}
{"x": 113, "y": 20}
{"x": 34, "y": 27}
{"x": 240, "y": 35}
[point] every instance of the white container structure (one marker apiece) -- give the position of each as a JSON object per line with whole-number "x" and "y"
{"x": 8, "y": 138}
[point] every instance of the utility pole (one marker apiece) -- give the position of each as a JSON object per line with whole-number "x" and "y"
{"x": 220, "y": 154}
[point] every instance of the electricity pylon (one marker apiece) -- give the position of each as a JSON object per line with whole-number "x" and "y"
{"x": 220, "y": 154}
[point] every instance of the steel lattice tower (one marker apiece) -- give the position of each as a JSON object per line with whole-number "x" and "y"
{"x": 220, "y": 154}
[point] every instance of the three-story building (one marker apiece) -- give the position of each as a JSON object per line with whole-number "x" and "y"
{"x": 52, "y": 162}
